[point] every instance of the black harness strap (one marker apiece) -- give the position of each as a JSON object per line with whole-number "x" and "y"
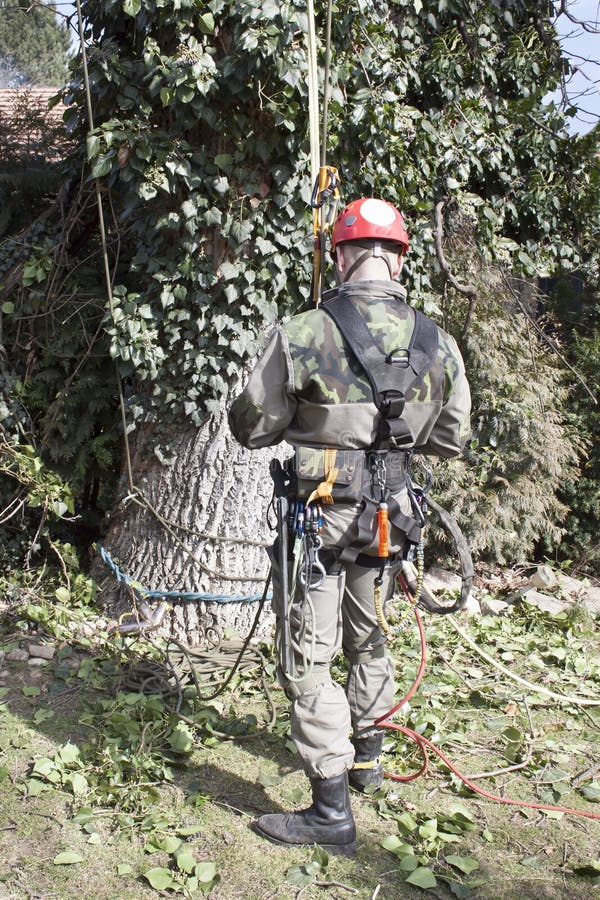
{"x": 391, "y": 375}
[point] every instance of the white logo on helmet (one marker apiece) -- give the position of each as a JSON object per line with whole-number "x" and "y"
{"x": 377, "y": 212}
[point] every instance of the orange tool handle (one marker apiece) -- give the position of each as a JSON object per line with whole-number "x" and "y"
{"x": 382, "y": 525}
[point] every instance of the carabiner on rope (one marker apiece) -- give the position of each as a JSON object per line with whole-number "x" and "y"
{"x": 324, "y": 202}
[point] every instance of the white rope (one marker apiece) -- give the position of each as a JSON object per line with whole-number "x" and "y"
{"x": 313, "y": 95}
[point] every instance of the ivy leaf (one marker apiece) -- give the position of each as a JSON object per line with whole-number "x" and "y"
{"x": 303, "y": 875}
{"x": 67, "y": 858}
{"x": 69, "y": 753}
{"x": 224, "y": 161}
{"x": 206, "y": 23}
{"x": 79, "y": 783}
{"x": 591, "y": 792}
{"x": 181, "y": 738}
{"x": 146, "y": 190}
{"x": 169, "y": 843}
{"x": 185, "y": 861}
{"x": 459, "y": 813}
{"x": 132, "y": 7}
{"x": 423, "y": 878}
{"x": 188, "y": 830}
{"x": 213, "y": 216}
{"x": 160, "y": 878}
{"x": 101, "y": 165}
{"x": 84, "y": 815}
{"x": 321, "y": 857}
{"x": 465, "y": 863}
{"x": 43, "y": 766}
{"x": 35, "y": 787}
{"x": 408, "y": 862}
{"x": 93, "y": 146}
{"x": 205, "y": 871}
{"x": 406, "y": 823}
{"x": 391, "y": 842}
{"x": 188, "y": 209}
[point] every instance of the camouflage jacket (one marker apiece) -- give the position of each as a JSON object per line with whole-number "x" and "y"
{"x": 308, "y": 389}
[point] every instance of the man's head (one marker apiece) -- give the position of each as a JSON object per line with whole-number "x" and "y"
{"x": 369, "y": 240}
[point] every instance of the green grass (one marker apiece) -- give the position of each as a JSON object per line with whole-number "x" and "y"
{"x": 482, "y": 721}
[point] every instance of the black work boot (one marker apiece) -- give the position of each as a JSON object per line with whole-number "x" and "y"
{"x": 328, "y": 822}
{"x": 367, "y": 771}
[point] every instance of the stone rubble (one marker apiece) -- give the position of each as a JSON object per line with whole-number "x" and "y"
{"x": 42, "y": 651}
{"x": 491, "y": 606}
{"x": 17, "y": 655}
{"x": 547, "y": 589}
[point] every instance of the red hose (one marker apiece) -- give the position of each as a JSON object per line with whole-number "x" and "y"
{"x": 423, "y": 743}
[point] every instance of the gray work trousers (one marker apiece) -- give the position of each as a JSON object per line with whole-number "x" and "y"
{"x": 340, "y": 616}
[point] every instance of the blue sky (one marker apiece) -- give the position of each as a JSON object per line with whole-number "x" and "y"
{"x": 579, "y": 45}
{"x": 583, "y": 50}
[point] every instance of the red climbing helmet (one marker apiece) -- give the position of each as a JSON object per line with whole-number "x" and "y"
{"x": 369, "y": 219}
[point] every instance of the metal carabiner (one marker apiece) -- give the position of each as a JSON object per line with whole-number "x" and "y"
{"x": 311, "y": 564}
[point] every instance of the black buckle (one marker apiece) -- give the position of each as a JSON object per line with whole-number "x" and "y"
{"x": 392, "y": 406}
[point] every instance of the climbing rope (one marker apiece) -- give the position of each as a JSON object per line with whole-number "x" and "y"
{"x": 107, "y": 273}
{"x": 412, "y": 597}
{"x": 183, "y": 667}
{"x": 206, "y": 596}
{"x": 142, "y": 501}
{"x": 313, "y": 93}
{"x": 325, "y": 179}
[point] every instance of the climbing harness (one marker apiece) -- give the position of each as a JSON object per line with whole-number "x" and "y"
{"x": 390, "y": 375}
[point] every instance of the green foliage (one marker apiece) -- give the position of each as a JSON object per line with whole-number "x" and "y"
{"x": 34, "y": 44}
{"x": 208, "y": 159}
{"x": 201, "y": 150}
{"x": 136, "y": 744}
{"x": 506, "y": 491}
{"x": 307, "y": 873}
{"x": 577, "y": 313}
{"x": 44, "y": 488}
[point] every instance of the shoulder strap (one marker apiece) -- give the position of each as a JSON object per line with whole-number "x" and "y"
{"x": 391, "y": 375}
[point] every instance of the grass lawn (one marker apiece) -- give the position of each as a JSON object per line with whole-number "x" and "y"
{"x": 106, "y": 793}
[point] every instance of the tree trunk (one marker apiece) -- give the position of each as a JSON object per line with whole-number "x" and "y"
{"x": 215, "y": 487}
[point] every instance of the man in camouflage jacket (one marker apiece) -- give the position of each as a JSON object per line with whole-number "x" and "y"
{"x": 309, "y": 389}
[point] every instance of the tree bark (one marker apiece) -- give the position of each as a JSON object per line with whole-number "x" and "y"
{"x": 213, "y": 486}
